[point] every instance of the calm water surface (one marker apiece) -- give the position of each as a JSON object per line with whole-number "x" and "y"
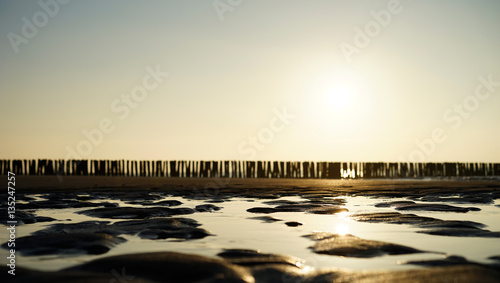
{"x": 233, "y": 229}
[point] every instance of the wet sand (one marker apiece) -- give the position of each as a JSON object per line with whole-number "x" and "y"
{"x": 148, "y": 208}
{"x": 31, "y": 184}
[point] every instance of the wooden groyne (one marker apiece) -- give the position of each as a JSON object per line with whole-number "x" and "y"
{"x": 246, "y": 169}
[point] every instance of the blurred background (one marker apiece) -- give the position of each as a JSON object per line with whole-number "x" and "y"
{"x": 263, "y": 80}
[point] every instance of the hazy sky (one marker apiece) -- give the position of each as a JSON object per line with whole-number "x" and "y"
{"x": 251, "y": 79}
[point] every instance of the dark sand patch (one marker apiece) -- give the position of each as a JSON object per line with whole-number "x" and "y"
{"x": 433, "y": 226}
{"x": 436, "y": 207}
{"x": 74, "y": 243}
{"x": 428, "y": 275}
{"x": 155, "y": 228}
{"x": 446, "y": 261}
{"x": 167, "y": 203}
{"x": 411, "y": 205}
{"x": 267, "y": 219}
{"x": 462, "y": 232}
{"x": 293, "y": 223}
{"x": 135, "y": 212}
{"x": 302, "y": 207}
{"x": 485, "y": 198}
{"x": 22, "y": 217}
{"x": 352, "y": 246}
{"x": 170, "y": 267}
{"x": 207, "y": 208}
{"x": 247, "y": 257}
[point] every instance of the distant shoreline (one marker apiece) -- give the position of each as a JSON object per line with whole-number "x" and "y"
{"x": 32, "y": 184}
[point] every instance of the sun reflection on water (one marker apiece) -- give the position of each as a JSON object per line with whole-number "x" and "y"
{"x": 342, "y": 229}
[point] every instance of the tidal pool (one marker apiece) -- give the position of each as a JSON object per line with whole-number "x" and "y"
{"x": 232, "y": 227}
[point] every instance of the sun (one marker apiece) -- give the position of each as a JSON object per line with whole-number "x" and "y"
{"x": 339, "y": 97}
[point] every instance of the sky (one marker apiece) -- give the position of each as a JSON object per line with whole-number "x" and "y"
{"x": 415, "y": 81}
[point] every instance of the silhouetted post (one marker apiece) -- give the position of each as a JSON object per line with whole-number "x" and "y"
{"x": 25, "y": 167}
{"x": 333, "y": 170}
{"x": 5, "y": 167}
{"x": 276, "y": 169}
{"x": 206, "y": 169}
{"x": 403, "y": 169}
{"x": 365, "y": 171}
{"x": 49, "y": 169}
{"x": 266, "y": 168}
{"x": 260, "y": 170}
{"x": 189, "y": 165}
{"x": 438, "y": 167}
{"x": 215, "y": 169}
{"x": 172, "y": 169}
{"x": 496, "y": 169}
{"x": 17, "y": 167}
{"x": 249, "y": 169}
{"x": 282, "y": 169}
{"x": 158, "y": 169}
{"x": 305, "y": 169}
{"x": 98, "y": 167}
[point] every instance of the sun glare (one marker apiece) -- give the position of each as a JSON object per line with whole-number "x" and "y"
{"x": 339, "y": 97}
{"x": 337, "y": 102}
{"x": 342, "y": 229}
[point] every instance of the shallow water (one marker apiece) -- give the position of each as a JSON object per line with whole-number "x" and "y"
{"x": 232, "y": 228}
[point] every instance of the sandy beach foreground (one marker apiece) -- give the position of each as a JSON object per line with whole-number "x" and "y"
{"x": 143, "y": 229}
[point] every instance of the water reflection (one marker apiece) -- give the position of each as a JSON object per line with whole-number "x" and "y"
{"x": 342, "y": 229}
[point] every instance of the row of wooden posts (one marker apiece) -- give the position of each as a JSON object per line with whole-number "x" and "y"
{"x": 246, "y": 169}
